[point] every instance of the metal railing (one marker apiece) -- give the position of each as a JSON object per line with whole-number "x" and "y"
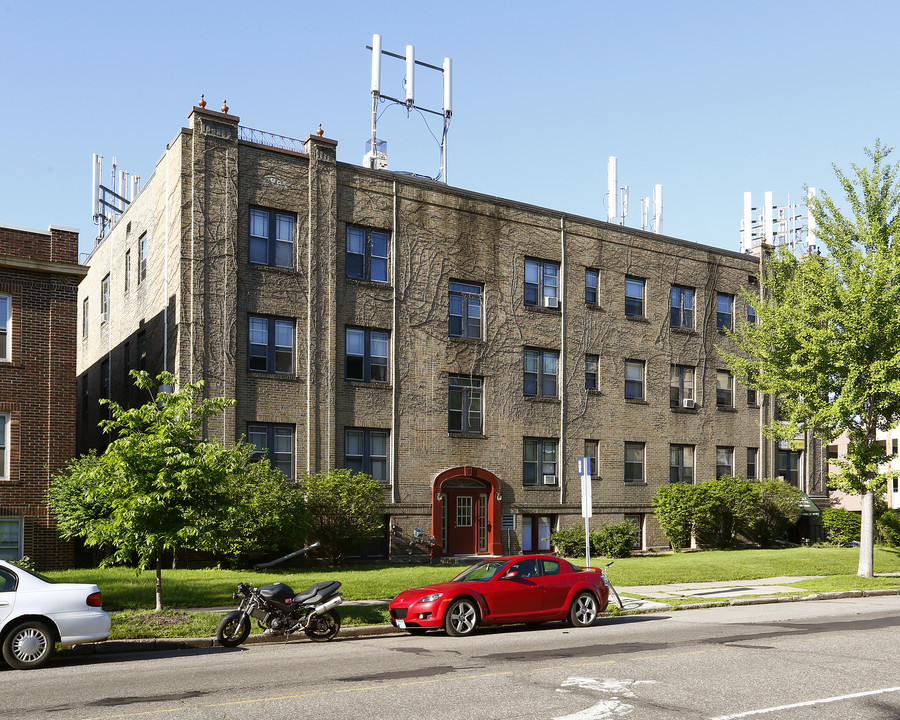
{"x": 260, "y": 137}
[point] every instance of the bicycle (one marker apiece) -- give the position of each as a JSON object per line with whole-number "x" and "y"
{"x": 609, "y": 583}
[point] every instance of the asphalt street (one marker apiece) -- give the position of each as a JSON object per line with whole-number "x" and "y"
{"x": 827, "y": 659}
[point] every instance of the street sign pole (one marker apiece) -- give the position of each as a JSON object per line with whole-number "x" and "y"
{"x": 584, "y": 470}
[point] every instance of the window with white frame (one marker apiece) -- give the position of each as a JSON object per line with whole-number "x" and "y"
{"x": 127, "y": 270}
{"x": 366, "y": 355}
{"x": 465, "y": 310}
{"x": 271, "y": 345}
{"x": 591, "y": 286}
{"x": 5, "y": 314}
{"x": 536, "y": 531}
{"x": 634, "y": 297}
{"x": 541, "y": 283}
{"x": 681, "y": 464}
{"x": 634, "y": 462}
{"x": 271, "y": 238}
{"x": 682, "y": 308}
{"x": 724, "y": 311}
{"x": 367, "y": 254}
{"x": 752, "y": 463}
{"x": 142, "y": 258}
{"x": 638, "y": 522}
{"x": 724, "y": 461}
{"x": 465, "y": 405}
{"x": 366, "y": 451}
{"x": 4, "y": 448}
{"x": 104, "y": 300}
{"x": 275, "y": 442}
{"x": 592, "y": 450}
{"x": 634, "y": 379}
{"x": 724, "y": 389}
{"x": 591, "y": 372}
{"x": 85, "y": 306}
{"x": 539, "y": 461}
{"x": 540, "y": 372}
{"x": 11, "y": 547}
{"x": 681, "y": 386}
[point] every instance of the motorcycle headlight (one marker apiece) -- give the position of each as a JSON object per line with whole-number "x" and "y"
{"x": 429, "y": 598}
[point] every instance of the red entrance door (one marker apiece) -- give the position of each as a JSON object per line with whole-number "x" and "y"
{"x": 462, "y": 535}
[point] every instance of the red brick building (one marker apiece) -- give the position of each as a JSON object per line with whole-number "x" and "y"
{"x": 39, "y": 276}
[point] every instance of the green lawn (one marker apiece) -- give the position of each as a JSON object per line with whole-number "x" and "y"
{"x": 130, "y": 596}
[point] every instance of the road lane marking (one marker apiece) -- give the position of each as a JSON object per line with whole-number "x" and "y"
{"x": 807, "y": 703}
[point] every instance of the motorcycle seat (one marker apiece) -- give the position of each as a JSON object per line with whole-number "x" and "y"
{"x": 317, "y": 592}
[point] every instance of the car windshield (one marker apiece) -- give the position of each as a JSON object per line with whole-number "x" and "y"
{"x": 481, "y": 572}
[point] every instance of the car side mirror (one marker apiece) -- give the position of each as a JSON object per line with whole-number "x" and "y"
{"x": 511, "y": 575}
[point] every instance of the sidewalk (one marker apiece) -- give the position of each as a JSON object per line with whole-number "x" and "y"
{"x": 769, "y": 590}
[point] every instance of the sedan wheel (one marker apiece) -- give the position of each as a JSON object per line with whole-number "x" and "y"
{"x": 461, "y": 618}
{"x": 28, "y": 646}
{"x": 584, "y": 611}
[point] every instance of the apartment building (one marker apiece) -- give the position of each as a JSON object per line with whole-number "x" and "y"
{"x": 39, "y": 276}
{"x": 462, "y": 349}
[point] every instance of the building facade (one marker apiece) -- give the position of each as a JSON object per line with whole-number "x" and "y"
{"x": 39, "y": 276}
{"x": 462, "y": 349}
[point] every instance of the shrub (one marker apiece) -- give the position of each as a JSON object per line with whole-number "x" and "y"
{"x": 841, "y": 526}
{"x": 675, "y": 507}
{"x": 725, "y": 508}
{"x": 569, "y": 541}
{"x": 888, "y": 526}
{"x": 780, "y": 509}
{"x": 615, "y": 541}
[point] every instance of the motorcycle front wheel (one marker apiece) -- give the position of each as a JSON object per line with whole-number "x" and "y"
{"x": 324, "y": 627}
{"x": 233, "y": 629}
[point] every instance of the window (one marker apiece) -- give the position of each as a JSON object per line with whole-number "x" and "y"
{"x": 142, "y": 258}
{"x": 540, "y": 372}
{"x": 276, "y": 442}
{"x": 366, "y": 451}
{"x": 142, "y": 351}
{"x": 638, "y": 522}
{"x": 465, "y": 404}
{"x": 634, "y": 297}
{"x": 538, "y": 461}
{"x": 10, "y": 541}
{"x": 367, "y": 254}
{"x": 724, "y": 461}
{"x": 4, "y": 328}
{"x": 591, "y": 286}
{"x": 724, "y": 389}
{"x": 592, "y": 450}
{"x": 104, "y": 299}
{"x": 751, "y": 313}
{"x": 682, "y": 308}
{"x": 465, "y": 310}
{"x": 724, "y": 304}
{"x": 752, "y": 463}
{"x": 367, "y": 355}
{"x": 681, "y": 386}
{"x": 634, "y": 462}
{"x": 271, "y": 345}
{"x": 681, "y": 464}
{"x": 751, "y": 397}
{"x": 591, "y": 363}
{"x": 541, "y": 283}
{"x": 4, "y": 448}
{"x": 127, "y": 270}
{"x": 789, "y": 466}
{"x": 104, "y": 379}
{"x": 85, "y": 305}
{"x": 536, "y": 531}
{"x": 634, "y": 379}
{"x": 271, "y": 238}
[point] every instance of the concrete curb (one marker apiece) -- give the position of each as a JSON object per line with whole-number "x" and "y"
{"x": 156, "y": 644}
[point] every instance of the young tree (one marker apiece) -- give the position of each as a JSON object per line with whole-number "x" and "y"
{"x": 344, "y": 507}
{"x": 160, "y": 487}
{"x": 827, "y": 340}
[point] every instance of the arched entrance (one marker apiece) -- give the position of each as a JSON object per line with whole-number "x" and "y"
{"x": 465, "y": 512}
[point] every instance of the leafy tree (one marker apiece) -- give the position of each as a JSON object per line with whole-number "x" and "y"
{"x": 780, "y": 509}
{"x": 159, "y": 487}
{"x": 675, "y": 508}
{"x": 344, "y": 507}
{"x": 842, "y": 526}
{"x": 725, "y": 508}
{"x": 827, "y": 340}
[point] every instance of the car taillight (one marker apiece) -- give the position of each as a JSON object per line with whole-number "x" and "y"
{"x": 95, "y": 600}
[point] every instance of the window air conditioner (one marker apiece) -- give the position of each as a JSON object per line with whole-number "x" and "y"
{"x": 551, "y": 302}
{"x": 689, "y": 402}
{"x": 549, "y": 479}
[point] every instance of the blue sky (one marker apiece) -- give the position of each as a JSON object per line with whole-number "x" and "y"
{"x": 709, "y": 99}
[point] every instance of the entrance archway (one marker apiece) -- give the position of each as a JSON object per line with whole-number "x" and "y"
{"x": 465, "y": 512}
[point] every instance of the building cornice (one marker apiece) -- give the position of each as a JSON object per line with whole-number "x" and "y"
{"x": 44, "y": 266}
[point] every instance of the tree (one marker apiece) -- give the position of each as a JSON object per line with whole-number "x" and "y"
{"x": 827, "y": 340}
{"x": 675, "y": 507}
{"x": 779, "y": 510}
{"x": 159, "y": 487}
{"x": 344, "y": 507}
{"x": 725, "y": 508}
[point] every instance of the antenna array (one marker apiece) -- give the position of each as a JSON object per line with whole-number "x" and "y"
{"x": 615, "y": 193}
{"x": 376, "y": 150}
{"x": 108, "y": 204}
{"x": 776, "y": 225}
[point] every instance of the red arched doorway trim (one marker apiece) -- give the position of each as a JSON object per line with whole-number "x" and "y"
{"x": 438, "y": 497}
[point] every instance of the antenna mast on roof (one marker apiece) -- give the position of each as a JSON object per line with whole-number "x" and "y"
{"x": 108, "y": 204}
{"x": 376, "y": 150}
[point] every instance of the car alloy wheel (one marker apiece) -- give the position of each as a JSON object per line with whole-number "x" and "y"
{"x": 462, "y": 618}
{"x": 583, "y": 612}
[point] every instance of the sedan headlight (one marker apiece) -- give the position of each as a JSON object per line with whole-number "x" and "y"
{"x": 429, "y": 598}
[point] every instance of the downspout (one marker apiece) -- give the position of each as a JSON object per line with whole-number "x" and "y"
{"x": 395, "y": 490}
{"x": 560, "y": 371}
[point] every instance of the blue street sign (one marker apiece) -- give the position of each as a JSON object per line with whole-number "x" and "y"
{"x": 584, "y": 466}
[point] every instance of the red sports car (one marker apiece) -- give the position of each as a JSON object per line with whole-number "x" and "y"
{"x": 518, "y": 589}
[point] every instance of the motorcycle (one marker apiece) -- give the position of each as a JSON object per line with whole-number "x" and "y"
{"x": 280, "y": 611}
